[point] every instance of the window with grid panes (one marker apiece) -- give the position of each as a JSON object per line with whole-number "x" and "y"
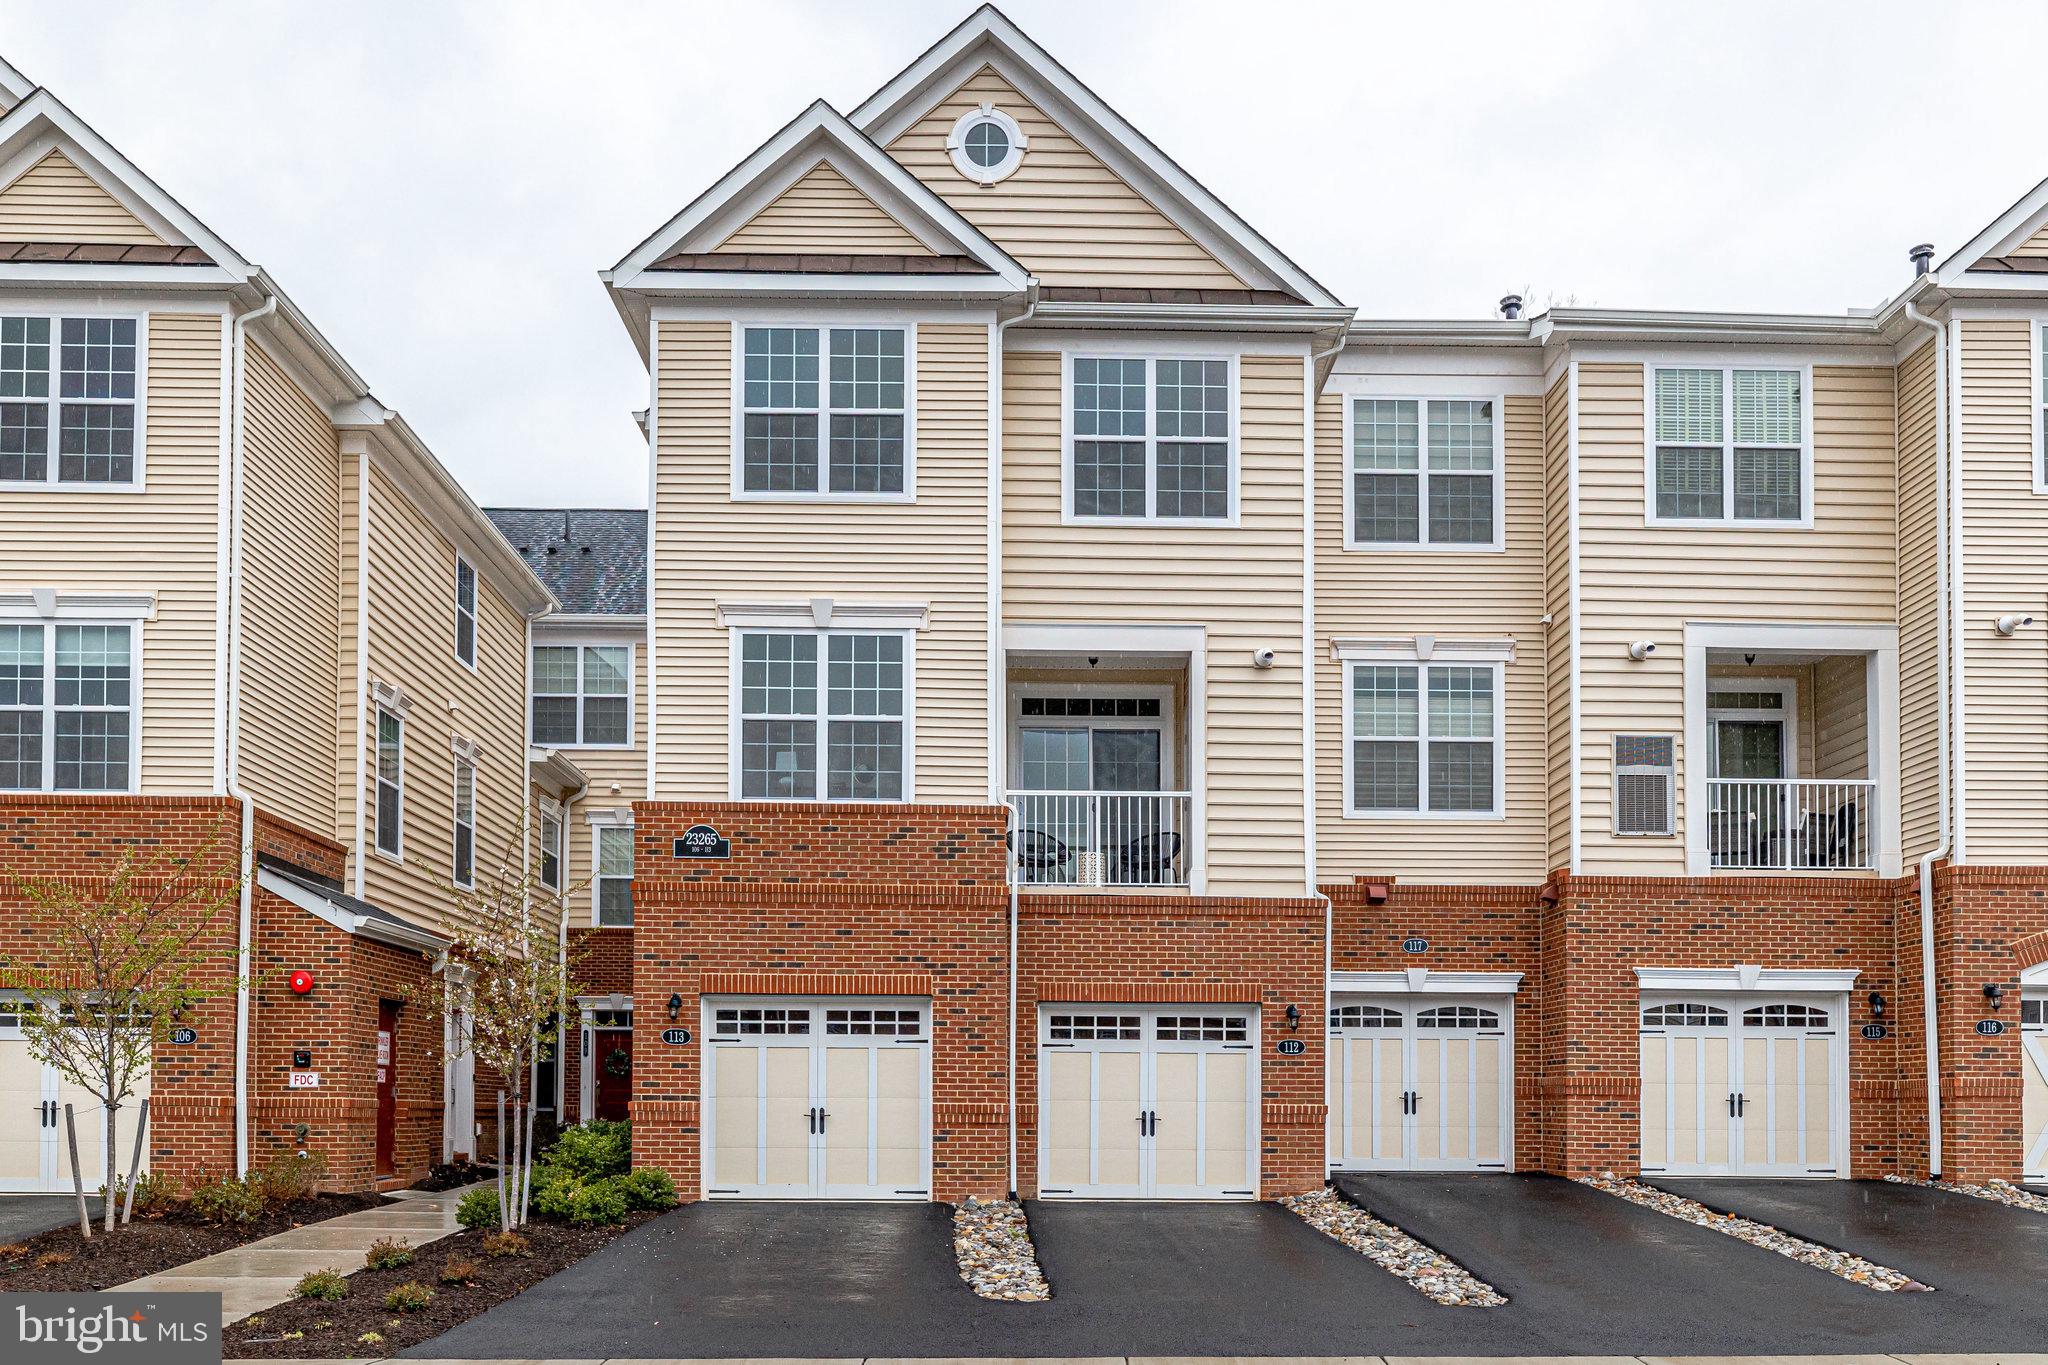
{"x": 551, "y": 848}
{"x": 465, "y": 822}
{"x": 1424, "y": 738}
{"x": 67, "y": 707}
{"x": 830, "y": 429}
{"x": 390, "y": 783}
{"x": 465, "y": 612}
{"x": 1729, "y": 445}
{"x": 830, "y": 727}
{"x": 67, "y": 400}
{"x": 1151, "y": 439}
{"x": 582, "y": 695}
{"x": 1424, "y": 472}
{"x": 612, "y": 878}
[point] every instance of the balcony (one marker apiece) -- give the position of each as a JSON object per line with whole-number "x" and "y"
{"x": 1095, "y": 839}
{"x": 1791, "y": 824}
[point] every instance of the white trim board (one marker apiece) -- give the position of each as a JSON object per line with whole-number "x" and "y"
{"x": 1746, "y": 978}
{"x": 1425, "y": 981}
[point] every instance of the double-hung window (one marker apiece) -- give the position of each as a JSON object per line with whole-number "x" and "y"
{"x": 551, "y": 847}
{"x": 390, "y": 783}
{"x": 824, "y": 412}
{"x": 612, "y": 885}
{"x": 1151, "y": 440}
{"x": 1425, "y": 473}
{"x": 68, "y": 401}
{"x": 465, "y": 821}
{"x": 67, "y": 707}
{"x": 583, "y": 696}
{"x": 465, "y": 612}
{"x": 1424, "y": 738}
{"x": 1729, "y": 445}
{"x": 822, "y": 716}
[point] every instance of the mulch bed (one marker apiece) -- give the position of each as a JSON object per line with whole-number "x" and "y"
{"x": 147, "y": 1246}
{"x": 330, "y": 1330}
{"x": 453, "y": 1176}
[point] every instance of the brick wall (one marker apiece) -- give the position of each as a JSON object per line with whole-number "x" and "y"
{"x": 602, "y": 964}
{"x": 1990, "y": 924}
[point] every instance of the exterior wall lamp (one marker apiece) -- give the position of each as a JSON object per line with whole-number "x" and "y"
{"x": 1995, "y": 993}
{"x": 675, "y": 1006}
{"x": 1294, "y": 1016}
{"x": 1876, "y": 1005}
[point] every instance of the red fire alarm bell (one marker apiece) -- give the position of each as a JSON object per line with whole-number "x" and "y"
{"x": 301, "y": 981}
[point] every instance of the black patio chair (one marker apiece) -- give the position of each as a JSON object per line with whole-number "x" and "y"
{"x": 1038, "y": 853}
{"x": 1148, "y": 859}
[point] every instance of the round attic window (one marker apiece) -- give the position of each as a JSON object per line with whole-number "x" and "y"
{"x": 986, "y": 145}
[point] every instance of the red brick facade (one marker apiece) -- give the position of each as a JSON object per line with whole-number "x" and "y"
{"x": 601, "y": 964}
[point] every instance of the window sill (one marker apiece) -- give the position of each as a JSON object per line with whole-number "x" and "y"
{"x": 1726, "y": 524}
{"x": 43, "y": 486}
{"x": 1072, "y": 519}
{"x": 830, "y": 499}
{"x": 1449, "y": 816}
{"x": 627, "y": 747}
{"x": 397, "y": 858}
{"x": 1398, "y": 548}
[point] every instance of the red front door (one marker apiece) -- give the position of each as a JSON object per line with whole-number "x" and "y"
{"x": 387, "y": 1086}
{"x": 614, "y": 1073}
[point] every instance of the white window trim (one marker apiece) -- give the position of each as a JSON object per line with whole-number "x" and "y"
{"x": 551, "y": 810}
{"x": 1166, "y": 723}
{"x": 1422, "y": 657}
{"x": 377, "y": 781}
{"x": 473, "y": 612}
{"x": 462, "y": 760}
{"x": 735, "y": 779}
{"x": 822, "y": 324}
{"x": 2037, "y": 338}
{"x": 1424, "y": 545}
{"x": 1112, "y": 351}
{"x": 49, "y": 483}
{"x": 579, "y": 644}
{"x": 1727, "y": 367}
{"x": 598, "y": 829}
{"x": 956, "y": 145}
{"x": 1787, "y": 715}
{"x": 49, "y": 624}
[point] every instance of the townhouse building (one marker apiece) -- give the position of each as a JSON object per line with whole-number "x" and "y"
{"x": 1112, "y": 721}
{"x": 246, "y": 619}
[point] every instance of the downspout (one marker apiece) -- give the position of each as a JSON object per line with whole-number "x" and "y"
{"x": 245, "y": 919}
{"x": 1308, "y": 697}
{"x": 1944, "y": 548}
{"x": 997, "y": 671}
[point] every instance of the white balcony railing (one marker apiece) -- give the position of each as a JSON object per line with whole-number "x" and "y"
{"x": 1791, "y": 824}
{"x": 1101, "y": 839}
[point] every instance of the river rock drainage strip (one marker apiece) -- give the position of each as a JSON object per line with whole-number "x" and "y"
{"x": 1854, "y": 1269}
{"x": 1394, "y": 1251}
{"x": 1997, "y": 1191}
{"x": 992, "y": 1244}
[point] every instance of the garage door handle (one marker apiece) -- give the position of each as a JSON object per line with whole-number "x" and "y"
{"x": 1741, "y": 1105}
{"x": 1731, "y": 1104}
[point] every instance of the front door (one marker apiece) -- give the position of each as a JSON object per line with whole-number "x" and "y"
{"x": 614, "y": 1079}
{"x": 387, "y": 1087}
{"x": 817, "y": 1099}
{"x": 1748, "y": 1089}
{"x": 1148, "y": 1102}
{"x": 2034, "y": 1083}
{"x": 1420, "y": 1087}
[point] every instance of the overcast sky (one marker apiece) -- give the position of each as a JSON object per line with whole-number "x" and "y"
{"x": 437, "y": 185}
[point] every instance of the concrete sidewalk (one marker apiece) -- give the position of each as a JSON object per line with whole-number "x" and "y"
{"x": 256, "y": 1276}
{"x": 1986, "y": 1359}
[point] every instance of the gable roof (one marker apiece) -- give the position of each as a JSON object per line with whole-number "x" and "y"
{"x": 819, "y": 133}
{"x": 988, "y": 37}
{"x": 823, "y": 211}
{"x": 14, "y": 87}
{"x": 593, "y": 559}
{"x": 2008, "y": 236}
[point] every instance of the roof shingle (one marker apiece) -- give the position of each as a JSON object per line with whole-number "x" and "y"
{"x": 594, "y": 559}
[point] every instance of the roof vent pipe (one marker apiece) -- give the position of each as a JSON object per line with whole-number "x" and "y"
{"x": 1511, "y": 307}
{"x": 1922, "y": 257}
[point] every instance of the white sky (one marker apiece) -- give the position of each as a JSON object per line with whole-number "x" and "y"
{"x": 438, "y": 184}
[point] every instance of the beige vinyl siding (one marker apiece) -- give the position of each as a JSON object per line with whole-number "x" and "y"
{"x": 2036, "y": 245}
{"x": 1466, "y": 596}
{"x": 1641, "y": 582}
{"x": 1243, "y": 583}
{"x": 291, "y": 585}
{"x": 164, "y": 539}
{"x": 822, "y": 212}
{"x": 1841, "y": 718}
{"x": 2005, "y": 680}
{"x": 710, "y": 548}
{"x": 351, "y": 713}
{"x": 412, "y": 647}
{"x": 1920, "y": 661}
{"x": 1067, "y": 218}
{"x": 618, "y": 778}
{"x": 1558, "y": 606}
{"x": 55, "y": 201}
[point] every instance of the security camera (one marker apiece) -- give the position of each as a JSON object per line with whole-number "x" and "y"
{"x": 1642, "y": 649}
{"x": 1262, "y": 658}
{"x": 2010, "y": 625}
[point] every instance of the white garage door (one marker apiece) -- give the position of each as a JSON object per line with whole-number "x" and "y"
{"x": 1753, "y": 1087}
{"x": 1424, "y": 1087}
{"x": 34, "y": 1155}
{"x": 1148, "y": 1102}
{"x": 817, "y": 1099}
{"x": 2034, "y": 1087}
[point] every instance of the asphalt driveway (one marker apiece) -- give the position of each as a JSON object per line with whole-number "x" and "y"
{"x": 22, "y": 1216}
{"x": 1587, "y": 1274}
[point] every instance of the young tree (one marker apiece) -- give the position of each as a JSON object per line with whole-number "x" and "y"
{"x": 506, "y": 977}
{"x": 111, "y": 962}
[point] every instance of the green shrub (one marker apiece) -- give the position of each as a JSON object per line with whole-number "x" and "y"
{"x": 322, "y": 1284}
{"x": 479, "y": 1208}
{"x": 409, "y": 1297}
{"x": 601, "y": 1201}
{"x": 387, "y": 1253}
{"x": 289, "y": 1178}
{"x": 649, "y": 1189}
{"x": 155, "y": 1193}
{"x": 592, "y": 1151}
{"x": 226, "y": 1200}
